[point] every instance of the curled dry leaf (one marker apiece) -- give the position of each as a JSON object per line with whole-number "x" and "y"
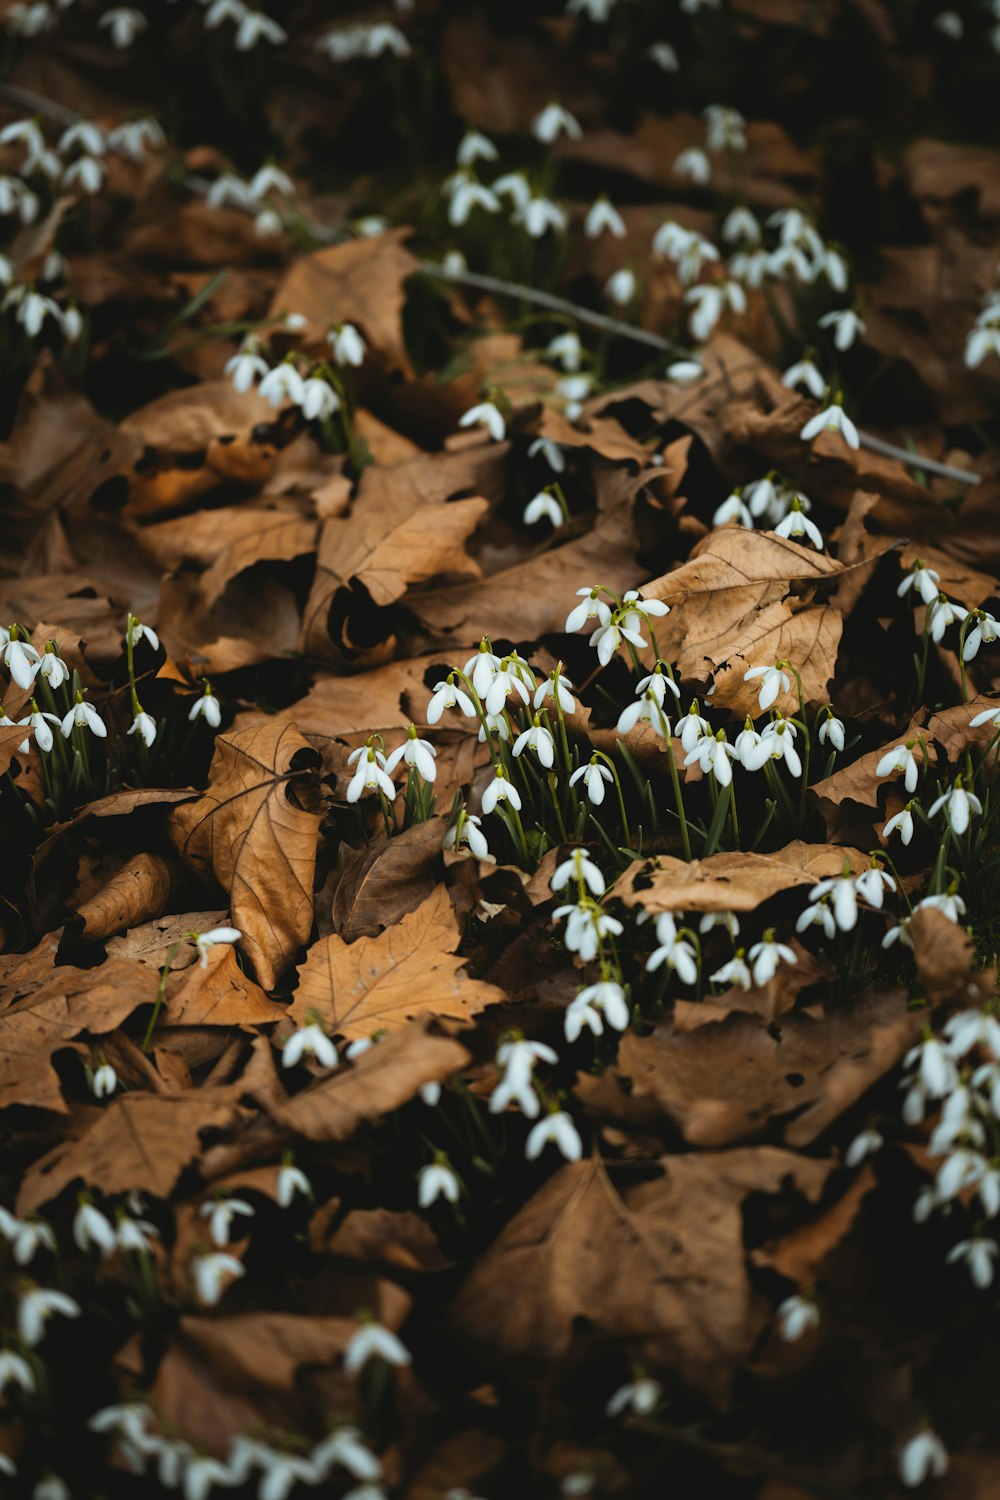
{"x": 380, "y": 983}
{"x": 257, "y": 843}
{"x": 378, "y": 885}
{"x": 136, "y": 893}
{"x": 732, "y": 881}
{"x": 679, "y": 1300}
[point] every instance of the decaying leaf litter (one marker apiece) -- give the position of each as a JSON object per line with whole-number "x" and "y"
{"x": 499, "y": 722}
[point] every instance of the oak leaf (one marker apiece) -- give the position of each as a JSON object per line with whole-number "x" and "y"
{"x": 378, "y": 984}
{"x": 258, "y": 844}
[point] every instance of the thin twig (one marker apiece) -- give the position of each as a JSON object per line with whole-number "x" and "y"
{"x": 38, "y": 104}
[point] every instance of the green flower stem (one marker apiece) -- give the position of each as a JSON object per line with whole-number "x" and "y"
{"x": 161, "y": 993}
{"x": 675, "y": 782}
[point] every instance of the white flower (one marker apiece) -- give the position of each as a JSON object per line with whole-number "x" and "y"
{"x": 832, "y": 729}
{"x": 53, "y": 669}
{"x": 15, "y": 1370}
{"x": 543, "y": 506}
{"x": 39, "y": 723}
{"x": 86, "y": 173}
{"x": 818, "y": 915}
{"x": 309, "y": 1041}
{"x": 580, "y": 868}
{"x": 804, "y": 372}
{"x": 710, "y": 301}
{"x": 91, "y": 1228}
{"x": 586, "y": 926}
{"x": 620, "y": 286}
{"x": 734, "y": 972}
{"x": 592, "y": 608}
{"x": 864, "y": 1144}
{"x": 207, "y": 707}
{"x": 978, "y": 1254}
{"x": 436, "y": 1180}
{"x": 536, "y": 738}
{"x": 690, "y": 727}
{"x": 740, "y": 224}
{"x": 796, "y": 524}
{"x": 22, "y": 660}
{"x": 980, "y": 343}
{"x": 553, "y": 456}
{"x": 471, "y": 834}
{"x": 674, "y": 951}
{"x": 81, "y": 714}
{"x": 593, "y": 775}
{"x": 947, "y": 902}
{"x": 144, "y": 725}
{"x": 972, "y": 1028}
{"x": 26, "y": 1236}
{"x": 607, "y": 996}
{"x": 256, "y": 27}
{"x": 125, "y": 25}
{"x": 725, "y": 128}
{"x": 844, "y": 895}
{"x": 923, "y": 1457}
{"x": 846, "y": 325}
{"x": 539, "y": 215}
{"x": 473, "y": 147}
{"x": 900, "y": 758}
{"x": 831, "y": 419}
{"x": 553, "y": 122}
{"x": 765, "y": 957}
{"x": 796, "y": 1316}
{"x": 640, "y": 1396}
{"x": 372, "y": 1341}
{"x": 211, "y": 1273}
{"x": 557, "y": 1127}
{"x": 449, "y": 695}
{"x": 684, "y": 371}
{"x": 220, "y": 1213}
{"x": 104, "y": 1081}
{"x": 500, "y": 790}
{"x": 937, "y": 1071}
{"x": 872, "y": 884}
{"x": 960, "y": 805}
{"x": 603, "y": 216}
{"x": 246, "y": 366}
{"x": 568, "y": 350}
{"x": 608, "y": 637}
{"x": 135, "y": 1235}
{"x": 348, "y": 347}
{"x": 319, "y": 399}
{"x": 37, "y": 1304}
{"x": 557, "y": 687}
{"x": 370, "y": 775}
{"x": 518, "y": 1058}
{"x": 205, "y": 940}
{"x": 775, "y": 679}
{"x": 733, "y": 511}
{"x": 291, "y": 1180}
{"x": 485, "y": 415}
{"x": 693, "y": 165}
{"x": 923, "y": 579}
{"x": 281, "y": 385}
{"x": 779, "y": 738}
{"x": 416, "y": 753}
{"x": 985, "y": 629}
{"x": 752, "y": 749}
{"x": 942, "y": 613}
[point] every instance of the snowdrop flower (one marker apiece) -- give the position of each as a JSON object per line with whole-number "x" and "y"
{"x": 674, "y": 951}
{"x": 82, "y": 715}
{"x": 819, "y": 915}
{"x": 691, "y": 726}
{"x": 972, "y": 1028}
{"x": 936, "y": 1070}
{"x": 487, "y": 415}
{"x": 985, "y": 629}
{"x": 229, "y": 188}
{"x": 372, "y": 1341}
{"x": 639, "y": 1396}
{"x": 574, "y": 390}
{"x": 947, "y": 902}
{"x": 104, "y": 1081}
{"x": 567, "y": 349}
{"x": 536, "y": 738}
{"x": 797, "y": 524}
{"x": 832, "y": 419}
{"x": 36, "y": 1305}
{"x": 26, "y": 1236}
{"x": 144, "y": 725}
{"x": 53, "y": 669}
{"x": 740, "y": 224}
{"x": 539, "y": 215}
{"x": 220, "y": 1213}
{"x": 136, "y": 631}
{"x": 256, "y": 27}
{"x": 844, "y": 895}
{"x": 710, "y": 301}
{"x": 346, "y": 1447}
{"x": 319, "y": 400}
{"x": 847, "y": 327}
{"x": 414, "y": 752}
{"x": 620, "y": 287}
{"x": 135, "y": 1235}
{"x": 500, "y": 790}
{"x": 270, "y": 178}
{"x": 832, "y": 729}
{"x": 979, "y": 1254}
{"x": 370, "y": 775}
{"x": 765, "y": 957}
{"x": 872, "y": 884}
{"x": 597, "y": 11}
{"x": 901, "y": 934}
{"x": 693, "y": 165}
{"x": 979, "y": 343}
{"x": 865, "y": 1144}
{"x": 552, "y": 454}
{"x": 348, "y": 347}
{"x": 725, "y": 128}
{"x": 779, "y": 737}
{"x": 517, "y": 1058}
{"x": 734, "y": 972}
{"x": 291, "y": 1180}
{"x": 714, "y": 754}
{"x": 943, "y": 613}
{"x": 207, "y": 707}
{"x": 608, "y": 636}
{"x": 437, "y": 1180}
{"x": 593, "y": 608}
{"x": 449, "y": 695}
{"x": 246, "y": 366}
{"x": 15, "y": 1370}
{"x": 555, "y": 686}
{"x": 212, "y": 1272}
{"x": 84, "y": 135}
{"x": 923, "y": 579}
{"x": 733, "y": 511}
{"x": 38, "y": 722}
{"x": 804, "y": 372}
{"x": 92, "y": 1229}
{"x": 607, "y": 996}
{"x": 959, "y": 804}
{"x": 473, "y": 147}
{"x": 923, "y": 1457}
{"x": 22, "y": 660}
{"x": 553, "y": 122}
{"x": 557, "y": 1127}
{"x": 124, "y": 24}
{"x": 482, "y": 668}
{"x": 309, "y": 1041}
{"x": 579, "y": 868}
{"x": 657, "y": 682}
{"x": 901, "y": 758}
{"x": 544, "y": 506}
{"x": 593, "y": 775}
{"x": 603, "y": 216}
{"x": 645, "y": 710}
{"x": 796, "y": 1316}
{"x": 752, "y": 750}
{"x": 203, "y": 941}
{"x": 465, "y": 194}
{"x": 586, "y": 928}
{"x": 775, "y": 679}
{"x": 516, "y": 187}
{"x": 86, "y": 173}
{"x": 684, "y": 371}
{"x": 281, "y": 385}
